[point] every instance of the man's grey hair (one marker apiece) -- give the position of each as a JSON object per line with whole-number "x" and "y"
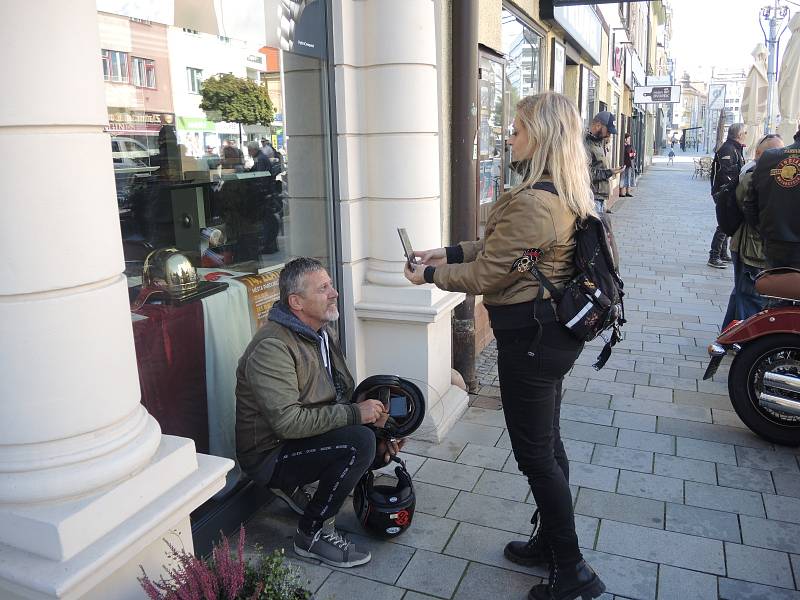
{"x": 293, "y": 276}
{"x": 735, "y": 130}
{"x": 253, "y": 146}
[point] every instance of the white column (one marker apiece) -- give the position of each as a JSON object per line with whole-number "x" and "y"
{"x": 387, "y": 100}
{"x": 88, "y": 485}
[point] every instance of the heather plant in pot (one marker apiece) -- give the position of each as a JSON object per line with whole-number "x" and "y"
{"x": 226, "y": 576}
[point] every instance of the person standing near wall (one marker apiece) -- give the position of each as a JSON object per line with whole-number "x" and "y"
{"x": 601, "y": 128}
{"x": 629, "y": 172}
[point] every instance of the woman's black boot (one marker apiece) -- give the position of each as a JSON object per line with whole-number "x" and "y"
{"x": 569, "y": 583}
{"x": 534, "y": 552}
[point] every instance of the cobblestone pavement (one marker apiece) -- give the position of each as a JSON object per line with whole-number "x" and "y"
{"x": 674, "y": 498}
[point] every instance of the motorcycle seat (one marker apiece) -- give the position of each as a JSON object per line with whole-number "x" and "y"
{"x": 782, "y": 283}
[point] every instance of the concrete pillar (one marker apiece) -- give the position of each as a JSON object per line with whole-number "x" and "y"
{"x": 88, "y": 485}
{"x": 387, "y": 103}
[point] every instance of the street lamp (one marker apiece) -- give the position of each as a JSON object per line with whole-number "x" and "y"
{"x": 774, "y": 15}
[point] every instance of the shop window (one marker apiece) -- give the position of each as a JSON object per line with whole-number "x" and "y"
{"x": 588, "y": 96}
{"x": 115, "y": 66}
{"x": 144, "y": 72}
{"x": 195, "y": 79}
{"x": 237, "y": 208}
{"x": 491, "y": 137}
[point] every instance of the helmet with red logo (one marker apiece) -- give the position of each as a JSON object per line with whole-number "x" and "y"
{"x": 384, "y": 510}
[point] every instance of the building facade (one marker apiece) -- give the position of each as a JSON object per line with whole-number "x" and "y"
{"x": 139, "y": 435}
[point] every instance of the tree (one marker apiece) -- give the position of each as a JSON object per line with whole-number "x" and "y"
{"x": 226, "y": 97}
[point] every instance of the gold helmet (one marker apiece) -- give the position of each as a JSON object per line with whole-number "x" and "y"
{"x": 169, "y": 270}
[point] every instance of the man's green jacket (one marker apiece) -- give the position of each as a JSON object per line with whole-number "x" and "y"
{"x": 284, "y": 390}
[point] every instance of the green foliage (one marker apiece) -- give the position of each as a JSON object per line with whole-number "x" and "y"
{"x": 273, "y": 579}
{"x": 226, "y": 97}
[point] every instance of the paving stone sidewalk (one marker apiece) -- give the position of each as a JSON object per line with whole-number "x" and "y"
{"x": 674, "y": 498}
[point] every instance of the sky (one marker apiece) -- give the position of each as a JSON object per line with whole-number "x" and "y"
{"x": 718, "y": 33}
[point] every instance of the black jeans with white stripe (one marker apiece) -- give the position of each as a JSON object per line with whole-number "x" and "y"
{"x": 530, "y": 389}
{"x": 337, "y": 459}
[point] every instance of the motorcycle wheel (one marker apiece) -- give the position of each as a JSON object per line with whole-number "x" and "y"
{"x": 778, "y": 353}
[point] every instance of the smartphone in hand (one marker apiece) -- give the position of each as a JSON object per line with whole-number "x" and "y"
{"x": 407, "y": 249}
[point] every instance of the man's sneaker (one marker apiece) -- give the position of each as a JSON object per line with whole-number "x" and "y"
{"x": 296, "y": 499}
{"x": 331, "y": 547}
{"x": 716, "y": 263}
{"x": 725, "y": 258}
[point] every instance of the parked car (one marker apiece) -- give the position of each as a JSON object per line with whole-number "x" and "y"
{"x": 131, "y": 161}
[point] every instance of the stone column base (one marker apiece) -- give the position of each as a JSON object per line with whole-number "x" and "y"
{"x": 92, "y": 547}
{"x": 407, "y": 331}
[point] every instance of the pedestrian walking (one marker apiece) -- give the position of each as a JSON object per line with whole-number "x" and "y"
{"x": 671, "y": 156}
{"x": 725, "y": 169}
{"x": 747, "y": 248}
{"x": 535, "y": 351}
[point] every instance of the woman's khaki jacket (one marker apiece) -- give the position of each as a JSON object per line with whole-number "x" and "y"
{"x": 519, "y": 221}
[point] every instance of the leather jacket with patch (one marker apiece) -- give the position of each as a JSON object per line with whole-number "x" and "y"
{"x": 773, "y": 200}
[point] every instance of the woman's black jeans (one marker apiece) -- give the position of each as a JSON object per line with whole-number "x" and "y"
{"x": 530, "y": 388}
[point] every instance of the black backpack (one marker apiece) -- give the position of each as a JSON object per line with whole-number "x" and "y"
{"x": 729, "y": 216}
{"x": 591, "y": 302}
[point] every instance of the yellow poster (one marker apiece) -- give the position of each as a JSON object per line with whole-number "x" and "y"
{"x": 263, "y": 292}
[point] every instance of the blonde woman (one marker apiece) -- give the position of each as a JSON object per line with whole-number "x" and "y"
{"x": 534, "y": 350}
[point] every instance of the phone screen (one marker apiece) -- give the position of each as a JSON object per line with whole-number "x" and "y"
{"x": 409, "y": 252}
{"x": 398, "y": 406}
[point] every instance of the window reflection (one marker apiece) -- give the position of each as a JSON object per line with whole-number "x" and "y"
{"x": 238, "y": 188}
{"x": 522, "y": 47}
{"x": 211, "y": 185}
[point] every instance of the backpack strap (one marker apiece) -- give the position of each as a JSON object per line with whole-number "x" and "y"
{"x": 555, "y": 293}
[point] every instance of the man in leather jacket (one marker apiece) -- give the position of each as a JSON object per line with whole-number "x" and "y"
{"x": 728, "y": 163}
{"x": 773, "y": 204}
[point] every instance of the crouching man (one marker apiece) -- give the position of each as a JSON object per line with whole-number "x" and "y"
{"x": 295, "y": 423}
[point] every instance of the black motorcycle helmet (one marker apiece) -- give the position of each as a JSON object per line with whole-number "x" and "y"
{"x": 383, "y": 510}
{"x": 402, "y": 398}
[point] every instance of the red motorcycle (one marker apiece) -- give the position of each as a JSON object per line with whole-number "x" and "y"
{"x": 764, "y": 377}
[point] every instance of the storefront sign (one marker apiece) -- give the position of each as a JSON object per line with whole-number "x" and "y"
{"x": 646, "y": 94}
{"x": 658, "y": 80}
{"x": 262, "y": 292}
{"x": 617, "y": 61}
{"x": 195, "y": 124}
{"x": 573, "y": 2}
{"x": 558, "y": 65}
{"x": 582, "y": 25}
{"x": 121, "y": 120}
{"x": 639, "y": 75}
{"x": 716, "y": 96}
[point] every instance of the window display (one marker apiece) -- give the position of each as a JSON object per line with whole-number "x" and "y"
{"x": 220, "y": 143}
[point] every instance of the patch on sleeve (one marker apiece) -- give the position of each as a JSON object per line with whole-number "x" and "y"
{"x": 529, "y": 258}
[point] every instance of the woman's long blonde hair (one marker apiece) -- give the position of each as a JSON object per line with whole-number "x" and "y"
{"x": 555, "y": 139}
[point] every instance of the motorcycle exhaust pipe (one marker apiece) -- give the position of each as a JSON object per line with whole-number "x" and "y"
{"x": 779, "y": 404}
{"x": 786, "y": 383}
